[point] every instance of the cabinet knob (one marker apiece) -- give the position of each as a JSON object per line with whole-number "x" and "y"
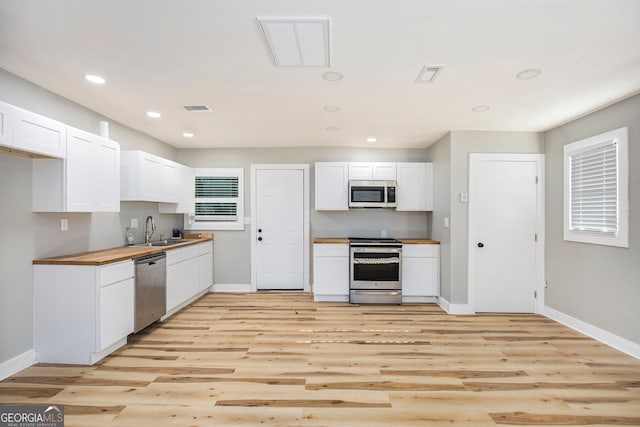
{"x": 480, "y": 245}
{"x": 259, "y": 239}
{"x": 259, "y": 230}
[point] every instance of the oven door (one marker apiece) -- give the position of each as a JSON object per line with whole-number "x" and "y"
{"x": 375, "y": 268}
{"x": 367, "y": 194}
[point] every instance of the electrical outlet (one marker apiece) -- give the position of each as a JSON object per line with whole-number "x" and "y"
{"x": 134, "y": 223}
{"x": 64, "y": 224}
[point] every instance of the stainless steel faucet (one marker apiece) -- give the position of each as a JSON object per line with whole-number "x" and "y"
{"x": 147, "y": 234}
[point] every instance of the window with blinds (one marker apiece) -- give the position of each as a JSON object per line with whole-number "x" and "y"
{"x": 219, "y": 199}
{"x": 596, "y": 196}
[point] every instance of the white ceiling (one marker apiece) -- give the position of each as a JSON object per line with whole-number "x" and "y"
{"x": 163, "y": 54}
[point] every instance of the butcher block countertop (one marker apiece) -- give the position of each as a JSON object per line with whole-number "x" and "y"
{"x": 108, "y": 256}
{"x": 344, "y": 240}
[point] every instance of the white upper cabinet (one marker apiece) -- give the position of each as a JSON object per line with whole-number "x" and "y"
{"x": 182, "y": 186}
{"x": 31, "y": 133}
{"x": 415, "y": 186}
{"x": 369, "y": 171}
{"x": 332, "y": 186}
{"x": 150, "y": 178}
{"x": 87, "y": 180}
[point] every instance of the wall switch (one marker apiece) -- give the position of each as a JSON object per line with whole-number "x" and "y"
{"x": 64, "y": 224}
{"x": 464, "y": 197}
{"x": 134, "y": 223}
{"x": 446, "y": 222}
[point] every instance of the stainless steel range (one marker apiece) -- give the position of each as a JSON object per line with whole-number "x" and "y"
{"x": 375, "y": 271}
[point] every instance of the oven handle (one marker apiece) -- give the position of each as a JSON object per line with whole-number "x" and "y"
{"x": 382, "y": 292}
{"x": 374, "y": 261}
{"x": 376, "y": 249}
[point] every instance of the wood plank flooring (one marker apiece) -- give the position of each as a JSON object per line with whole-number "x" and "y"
{"x": 278, "y": 358}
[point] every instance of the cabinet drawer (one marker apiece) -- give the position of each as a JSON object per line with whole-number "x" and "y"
{"x": 181, "y": 254}
{"x": 420, "y": 251}
{"x": 331, "y": 250}
{"x": 204, "y": 248}
{"x": 117, "y": 272}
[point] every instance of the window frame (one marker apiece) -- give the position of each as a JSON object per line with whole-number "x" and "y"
{"x": 238, "y": 224}
{"x": 621, "y": 237}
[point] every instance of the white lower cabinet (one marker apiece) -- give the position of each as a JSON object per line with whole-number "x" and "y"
{"x": 82, "y": 313}
{"x": 420, "y": 272}
{"x": 189, "y": 274}
{"x": 330, "y": 272}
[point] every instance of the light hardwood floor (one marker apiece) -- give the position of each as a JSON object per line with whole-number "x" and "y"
{"x": 280, "y": 359}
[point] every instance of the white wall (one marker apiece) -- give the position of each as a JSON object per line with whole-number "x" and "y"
{"x": 596, "y": 284}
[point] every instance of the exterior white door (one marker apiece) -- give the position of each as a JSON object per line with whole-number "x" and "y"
{"x": 279, "y": 229}
{"x": 503, "y": 239}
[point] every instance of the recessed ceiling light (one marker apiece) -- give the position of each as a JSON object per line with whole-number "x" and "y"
{"x": 371, "y": 139}
{"x": 480, "y": 108}
{"x": 187, "y": 134}
{"x": 153, "y": 114}
{"x": 429, "y": 73}
{"x": 331, "y": 109}
{"x": 332, "y": 129}
{"x": 332, "y": 76}
{"x": 95, "y": 79}
{"x": 531, "y": 73}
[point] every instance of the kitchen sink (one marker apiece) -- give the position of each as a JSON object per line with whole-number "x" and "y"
{"x": 164, "y": 242}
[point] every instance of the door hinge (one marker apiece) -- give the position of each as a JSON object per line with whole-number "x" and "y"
{"x": 535, "y": 237}
{"x": 536, "y": 179}
{"x": 535, "y": 294}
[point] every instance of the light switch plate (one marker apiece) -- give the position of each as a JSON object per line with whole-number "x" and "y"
{"x": 64, "y": 224}
{"x": 134, "y": 223}
{"x": 464, "y": 197}
{"x": 446, "y": 222}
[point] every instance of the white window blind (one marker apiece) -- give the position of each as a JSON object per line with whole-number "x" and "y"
{"x": 216, "y": 198}
{"x": 594, "y": 189}
{"x": 596, "y": 195}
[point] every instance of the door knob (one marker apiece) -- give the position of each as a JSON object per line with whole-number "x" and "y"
{"x": 480, "y": 245}
{"x": 259, "y": 239}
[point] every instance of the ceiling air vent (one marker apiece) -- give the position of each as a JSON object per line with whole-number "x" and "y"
{"x": 429, "y": 73}
{"x": 297, "y": 42}
{"x": 197, "y": 108}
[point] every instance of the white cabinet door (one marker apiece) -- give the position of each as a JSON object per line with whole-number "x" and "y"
{"x": 107, "y": 175}
{"x": 332, "y": 186}
{"x": 414, "y": 189}
{"x": 170, "y": 181}
{"x": 87, "y": 180}
{"x": 420, "y": 270}
{"x": 151, "y": 180}
{"x": 182, "y": 282}
{"x": 331, "y": 272}
{"x": 7, "y": 124}
{"x": 184, "y": 188}
{"x": 205, "y": 266}
{"x": 384, "y": 171}
{"x": 116, "y": 310}
{"x": 39, "y": 135}
{"x": 362, "y": 171}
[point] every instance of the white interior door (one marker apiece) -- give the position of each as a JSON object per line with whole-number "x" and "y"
{"x": 503, "y": 210}
{"x": 279, "y": 229}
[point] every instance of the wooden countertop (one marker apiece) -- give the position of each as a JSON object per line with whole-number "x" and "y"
{"x": 108, "y": 256}
{"x": 344, "y": 240}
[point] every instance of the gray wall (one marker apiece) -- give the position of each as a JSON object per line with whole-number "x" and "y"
{"x": 232, "y": 251}
{"x": 596, "y": 284}
{"x": 27, "y": 235}
{"x": 454, "y": 282}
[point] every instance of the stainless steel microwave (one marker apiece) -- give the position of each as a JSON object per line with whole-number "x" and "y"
{"x": 372, "y": 194}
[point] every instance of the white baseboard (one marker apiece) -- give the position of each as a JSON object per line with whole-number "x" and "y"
{"x": 233, "y": 287}
{"x": 605, "y": 337}
{"x": 455, "y": 308}
{"x": 17, "y": 364}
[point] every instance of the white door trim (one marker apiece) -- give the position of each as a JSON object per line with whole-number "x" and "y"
{"x": 474, "y": 159}
{"x": 304, "y": 167}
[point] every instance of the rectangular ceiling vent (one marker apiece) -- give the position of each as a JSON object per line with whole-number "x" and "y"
{"x": 429, "y": 73}
{"x": 297, "y": 42}
{"x": 197, "y": 108}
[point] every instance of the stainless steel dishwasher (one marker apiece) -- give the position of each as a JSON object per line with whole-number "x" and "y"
{"x": 151, "y": 284}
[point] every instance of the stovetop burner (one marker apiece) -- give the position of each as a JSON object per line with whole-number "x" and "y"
{"x": 376, "y": 241}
